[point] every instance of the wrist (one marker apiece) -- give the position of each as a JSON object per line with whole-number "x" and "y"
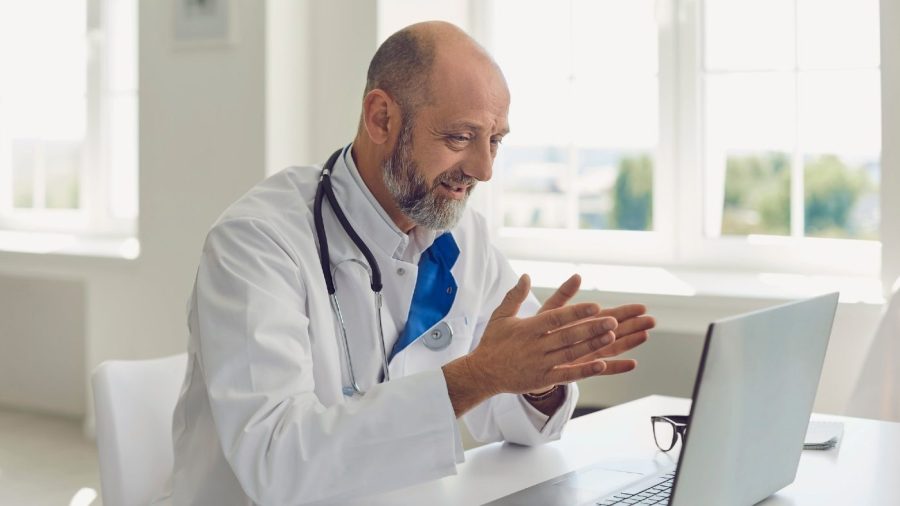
{"x": 542, "y": 394}
{"x": 480, "y": 376}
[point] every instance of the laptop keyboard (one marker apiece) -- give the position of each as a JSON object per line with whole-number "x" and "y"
{"x": 657, "y": 492}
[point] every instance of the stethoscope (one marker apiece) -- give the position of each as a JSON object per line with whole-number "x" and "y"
{"x": 325, "y": 190}
{"x": 436, "y": 339}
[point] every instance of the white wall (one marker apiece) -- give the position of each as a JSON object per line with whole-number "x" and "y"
{"x": 42, "y": 332}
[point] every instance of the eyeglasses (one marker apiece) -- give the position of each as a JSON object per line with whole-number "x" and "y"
{"x": 666, "y": 430}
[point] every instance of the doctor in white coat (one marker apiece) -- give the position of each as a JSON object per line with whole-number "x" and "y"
{"x": 271, "y": 411}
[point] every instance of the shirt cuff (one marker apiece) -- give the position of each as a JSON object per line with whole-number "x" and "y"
{"x": 521, "y": 423}
{"x": 539, "y": 420}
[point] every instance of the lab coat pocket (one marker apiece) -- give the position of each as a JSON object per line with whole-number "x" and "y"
{"x": 462, "y": 336}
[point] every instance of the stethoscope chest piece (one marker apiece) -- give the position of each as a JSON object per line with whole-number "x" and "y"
{"x": 438, "y": 337}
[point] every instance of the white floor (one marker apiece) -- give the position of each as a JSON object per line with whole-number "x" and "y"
{"x": 45, "y": 460}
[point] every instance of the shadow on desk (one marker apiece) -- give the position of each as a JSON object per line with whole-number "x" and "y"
{"x": 586, "y": 410}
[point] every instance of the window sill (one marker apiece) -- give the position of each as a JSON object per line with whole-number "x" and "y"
{"x": 687, "y": 300}
{"x": 68, "y": 245}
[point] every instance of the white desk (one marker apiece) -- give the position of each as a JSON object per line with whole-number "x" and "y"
{"x": 863, "y": 470}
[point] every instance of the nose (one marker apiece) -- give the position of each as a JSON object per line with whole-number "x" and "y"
{"x": 481, "y": 162}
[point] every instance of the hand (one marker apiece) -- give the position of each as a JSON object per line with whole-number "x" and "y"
{"x": 632, "y": 330}
{"x": 519, "y": 355}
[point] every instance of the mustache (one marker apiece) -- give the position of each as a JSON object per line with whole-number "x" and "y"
{"x": 455, "y": 178}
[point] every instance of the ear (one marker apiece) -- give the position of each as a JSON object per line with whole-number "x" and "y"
{"x": 381, "y": 116}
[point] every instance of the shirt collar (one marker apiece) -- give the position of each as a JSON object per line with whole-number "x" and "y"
{"x": 369, "y": 219}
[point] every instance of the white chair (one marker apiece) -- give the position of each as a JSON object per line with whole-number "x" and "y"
{"x": 877, "y": 392}
{"x": 133, "y": 404}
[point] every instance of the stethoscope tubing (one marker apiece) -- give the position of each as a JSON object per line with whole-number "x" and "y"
{"x": 323, "y": 191}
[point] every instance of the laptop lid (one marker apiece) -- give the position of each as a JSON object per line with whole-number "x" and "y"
{"x": 752, "y": 400}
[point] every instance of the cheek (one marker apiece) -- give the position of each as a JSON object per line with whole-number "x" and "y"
{"x": 433, "y": 167}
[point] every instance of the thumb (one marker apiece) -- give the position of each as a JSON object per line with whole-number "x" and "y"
{"x": 514, "y": 298}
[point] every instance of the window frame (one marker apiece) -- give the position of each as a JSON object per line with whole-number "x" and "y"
{"x": 94, "y": 216}
{"x": 678, "y": 238}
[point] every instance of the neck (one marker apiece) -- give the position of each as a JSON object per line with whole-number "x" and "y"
{"x": 369, "y": 164}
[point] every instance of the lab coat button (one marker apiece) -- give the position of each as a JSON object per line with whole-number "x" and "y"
{"x": 401, "y": 271}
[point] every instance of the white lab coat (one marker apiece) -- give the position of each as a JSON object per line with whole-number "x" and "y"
{"x": 262, "y": 419}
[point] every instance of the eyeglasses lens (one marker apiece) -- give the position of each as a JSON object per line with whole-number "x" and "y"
{"x": 664, "y": 432}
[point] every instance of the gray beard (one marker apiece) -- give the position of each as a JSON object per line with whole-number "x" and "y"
{"x": 423, "y": 205}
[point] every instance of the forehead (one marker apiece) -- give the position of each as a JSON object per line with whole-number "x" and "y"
{"x": 467, "y": 91}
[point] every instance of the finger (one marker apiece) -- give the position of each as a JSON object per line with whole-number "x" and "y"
{"x": 618, "y": 367}
{"x": 625, "y": 312}
{"x": 563, "y": 294}
{"x": 573, "y": 334}
{"x": 587, "y": 346}
{"x": 600, "y": 367}
{"x": 513, "y": 299}
{"x": 636, "y": 324}
{"x": 620, "y": 346}
{"x": 560, "y": 317}
{"x": 570, "y": 373}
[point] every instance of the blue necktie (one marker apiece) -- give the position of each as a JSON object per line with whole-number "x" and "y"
{"x": 434, "y": 293}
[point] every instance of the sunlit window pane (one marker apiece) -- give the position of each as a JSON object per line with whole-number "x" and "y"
{"x": 837, "y": 33}
{"x": 616, "y": 112}
{"x": 840, "y": 112}
{"x": 750, "y": 112}
{"x": 603, "y": 28}
{"x": 840, "y": 126}
{"x": 43, "y": 48}
{"x": 748, "y": 35}
{"x": 534, "y": 182}
{"x": 841, "y": 196}
{"x": 757, "y": 196}
{"x": 584, "y": 113}
{"x": 68, "y": 115}
{"x": 615, "y": 189}
{"x": 809, "y": 128}
{"x": 749, "y": 126}
{"x": 44, "y": 119}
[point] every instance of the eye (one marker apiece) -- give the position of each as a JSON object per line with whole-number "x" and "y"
{"x": 459, "y": 138}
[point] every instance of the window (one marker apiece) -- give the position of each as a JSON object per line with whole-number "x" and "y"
{"x": 722, "y": 133}
{"x": 792, "y": 120}
{"x": 68, "y": 116}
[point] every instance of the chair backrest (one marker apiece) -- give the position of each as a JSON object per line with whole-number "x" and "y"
{"x": 133, "y": 405}
{"x": 877, "y": 391}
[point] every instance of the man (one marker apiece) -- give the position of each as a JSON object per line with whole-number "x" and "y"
{"x": 271, "y": 410}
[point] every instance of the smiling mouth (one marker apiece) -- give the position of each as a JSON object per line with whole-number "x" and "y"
{"x": 455, "y": 187}
{"x": 456, "y": 191}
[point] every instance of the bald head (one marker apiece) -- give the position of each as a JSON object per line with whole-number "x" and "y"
{"x": 404, "y": 64}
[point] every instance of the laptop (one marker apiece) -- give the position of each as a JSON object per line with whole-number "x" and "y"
{"x": 752, "y": 399}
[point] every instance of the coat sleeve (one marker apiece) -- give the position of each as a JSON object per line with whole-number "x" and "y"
{"x": 509, "y": 417}
{"x": 283, "y": 444}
